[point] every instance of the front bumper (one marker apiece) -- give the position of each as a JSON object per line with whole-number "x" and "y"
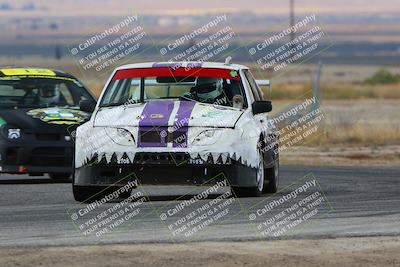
{"x": 164, "y": 169}
{"x": 33, "y": 156}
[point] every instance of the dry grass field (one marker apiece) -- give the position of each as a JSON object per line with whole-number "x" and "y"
{"x": 372, "y": 122}
{"x": 336, "y": 91}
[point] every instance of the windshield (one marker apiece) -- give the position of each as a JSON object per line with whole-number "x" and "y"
{"x": 17, "y": 92}
{"x": 214, "y": 86}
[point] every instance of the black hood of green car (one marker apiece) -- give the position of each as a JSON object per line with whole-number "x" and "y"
{"x": 43, "y": 120}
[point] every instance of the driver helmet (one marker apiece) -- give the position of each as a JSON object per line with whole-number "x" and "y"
{"x": 49, "y": 94}
{"x": 208, "y": 88}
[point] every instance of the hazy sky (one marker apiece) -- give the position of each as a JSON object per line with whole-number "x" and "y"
{"x": 181, "y": 7}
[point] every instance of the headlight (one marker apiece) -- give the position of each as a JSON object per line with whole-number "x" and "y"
{"x": 121, "y": 136}
{"x": 207, "y": 137}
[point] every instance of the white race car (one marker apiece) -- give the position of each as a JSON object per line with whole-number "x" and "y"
{"x": 177, "y": 123}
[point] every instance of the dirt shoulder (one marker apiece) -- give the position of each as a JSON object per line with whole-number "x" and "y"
{"x": 366, "y": 251}
{"x": 342, "y": 156}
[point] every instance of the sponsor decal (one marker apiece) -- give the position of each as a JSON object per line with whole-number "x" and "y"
{"x": 233, "y": 73}
{"x": 14, "y": 133}
{"x": 33, "y": 72}
{"x": 59, "y": 116}
{"x": 19, "y": 77}
{"x": 212, "y": 114}
{"x": 176, "y": 72}
{"x": 157, "y": 116}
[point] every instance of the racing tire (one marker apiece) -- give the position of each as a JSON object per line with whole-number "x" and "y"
{"x": 60, "y": 176}
{"x": 254, "y": 191}
{"x": 125, "y": 195}
{"x": 245, "y": 192}
{"x": 89, "y": 194}
{"x": 272, "y": 177}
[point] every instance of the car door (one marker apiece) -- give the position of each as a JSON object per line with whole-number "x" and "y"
{"x": 262, "y": 120}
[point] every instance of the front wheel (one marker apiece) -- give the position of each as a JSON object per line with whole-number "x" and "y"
{"x": 89, "y": 194}
{"x": 86, "y": 194}
{"x": 272, "y": 176}
{"x": 254, "y": 191}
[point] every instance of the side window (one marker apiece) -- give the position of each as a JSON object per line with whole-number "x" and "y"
{"x": 84, "y": 97}
{"x": 117, "y": 92}
{"x": 253, "y": 85}
{"x": 9, "y": 90}
{"x": 134, "y": 90}
{"x": 256, "y": 86}
{"x": 154, "y": 90}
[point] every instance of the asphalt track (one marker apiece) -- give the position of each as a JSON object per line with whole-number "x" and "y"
{"x": 357, "y": 201}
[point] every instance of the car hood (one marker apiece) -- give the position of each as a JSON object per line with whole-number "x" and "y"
{"x": 43, "y": 120}
{"x": 168, "y": 113}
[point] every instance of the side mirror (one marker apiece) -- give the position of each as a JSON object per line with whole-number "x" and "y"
{"x": 261, "y": 107}
{"x": 87, "y": 106}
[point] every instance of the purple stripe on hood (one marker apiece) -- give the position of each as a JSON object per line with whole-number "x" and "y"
{"x": 154, "y": 118}
{"x": 181, "y": 123}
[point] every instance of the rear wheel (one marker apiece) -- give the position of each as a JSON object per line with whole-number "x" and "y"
{"x": 59, "y": 176}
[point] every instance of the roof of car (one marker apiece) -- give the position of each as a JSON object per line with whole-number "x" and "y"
{"x": 32, "y": 72}
{"x": 213, "y": 65}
